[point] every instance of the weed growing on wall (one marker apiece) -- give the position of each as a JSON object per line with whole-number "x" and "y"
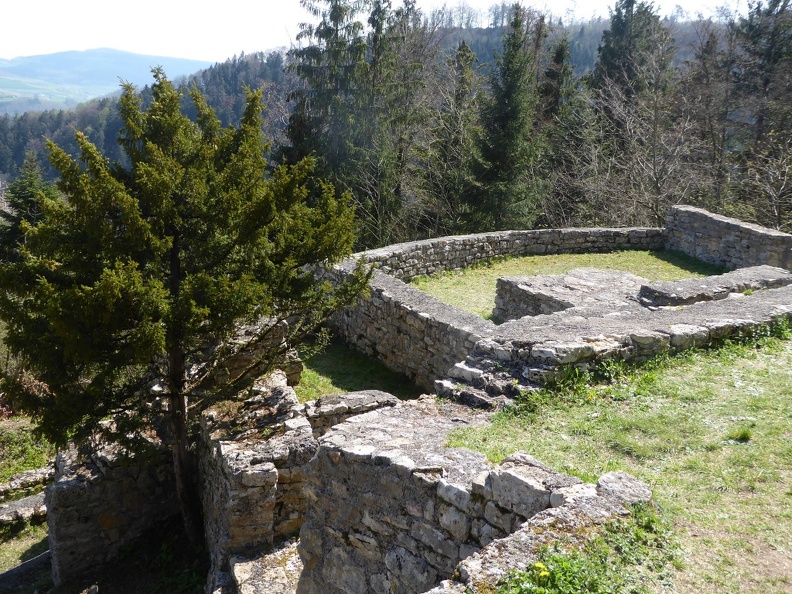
{"x": 629, "y": 556}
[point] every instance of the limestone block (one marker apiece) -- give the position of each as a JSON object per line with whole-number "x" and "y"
{"x": 456, "y": 495}
{"x": 455, "y": 522}
{"x": 624, "y": 488}
{"x": 567, "y": 495}
{"x": 686, "y": 336}
{"x": 409, "y": 568}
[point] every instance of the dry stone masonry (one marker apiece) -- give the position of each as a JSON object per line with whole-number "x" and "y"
{"x": 725, "y": 241}
{"x": 380, "y": 504}
{"x": 391, "y": 509}
{"x": 97, "y": 507}
{"x": 253, "y": 459}
{"x": 573, "y": 319}
{"x": 405, "y": 261}
{"x": 252, "y": 456}
{"x": 711, "y": 288}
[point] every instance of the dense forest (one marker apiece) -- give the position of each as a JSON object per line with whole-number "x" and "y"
{"x": 436, "y": 125}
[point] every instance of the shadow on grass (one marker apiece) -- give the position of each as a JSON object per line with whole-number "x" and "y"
{"x": 340, "y": 368}
{"x": 689, "y": 263}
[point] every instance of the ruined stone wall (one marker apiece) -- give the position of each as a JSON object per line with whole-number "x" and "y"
{"x": 253, "y": 456}
{"x": 96, "y": 508}
{"x": 410, "y": 331}
{"x": 417, "y": 335}
{"x": 729, "y": 242}
{"x": 417, "y": 258}
{"x": 393, "y": 510}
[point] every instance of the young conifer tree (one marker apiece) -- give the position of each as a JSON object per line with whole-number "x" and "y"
{"x": 141, "y": 265}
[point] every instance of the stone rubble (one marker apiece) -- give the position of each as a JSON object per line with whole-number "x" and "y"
{"x": 24, "y": 481}
{"x": 274, "y": 573}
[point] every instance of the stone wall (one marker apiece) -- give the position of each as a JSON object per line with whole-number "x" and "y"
{"x": 520, "y": 296}
{"x": 410, "y": 331}
{"x": 391, "y": 509}
{"x": 253, "y": 457}
{"x": 96, "y": 508}
{"x": 421, "y": 337}
{"x": 428, "y": 341}
{"x": 725, "y": 241}
{"x": 417, "y": 258}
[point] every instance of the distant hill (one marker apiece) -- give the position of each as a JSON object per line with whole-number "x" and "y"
{"x": 64, "y": 79}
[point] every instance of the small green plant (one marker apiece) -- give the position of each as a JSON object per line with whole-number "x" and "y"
{"x": 742, "y": 434}
{"x": 614, "y": 562}
{"x": 572, "y": 384}
{"x": 20, "y": 449}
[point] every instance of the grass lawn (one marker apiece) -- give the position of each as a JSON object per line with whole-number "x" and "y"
{"x": 340, "y": 369}
{"x": 711, "y": 432}
{"x": 473, "y": 289}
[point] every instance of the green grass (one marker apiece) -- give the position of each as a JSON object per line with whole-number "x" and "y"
{"x": 473, "y": 289}
{"x": 629, "y": 556}
{"x": 340, "y": 369}
{"x": 20, "y": 449}
{"x": 21, "y": 542}
{"x": 710, "y": 432}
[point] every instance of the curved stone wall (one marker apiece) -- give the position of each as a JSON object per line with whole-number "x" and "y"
{"x": 421, "y": 337}
{"x": 419, "y": 258}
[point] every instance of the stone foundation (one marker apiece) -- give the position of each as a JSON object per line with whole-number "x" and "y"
{"x": 253, "y": 457}
{"x": 522, "y": 296}
{"x": 712, "y": 288}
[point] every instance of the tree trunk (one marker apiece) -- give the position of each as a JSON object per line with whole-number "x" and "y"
{"x": 183, "y": 470}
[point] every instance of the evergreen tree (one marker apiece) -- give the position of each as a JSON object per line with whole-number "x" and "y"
{"x": 509, "y": 147}
{"x": 22, "y": 209}
{"x": 635, "y": 32}
{"x": 764, "y": 72}
{"x": 127, "y": 279}
{"x": 448, "y": 162}
{"x": 331, "y": 66}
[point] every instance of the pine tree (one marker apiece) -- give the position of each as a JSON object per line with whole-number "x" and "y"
{"x": 510, "y": 150}
{"x": 23, "y": 198}
{"x": 130, "y": 276}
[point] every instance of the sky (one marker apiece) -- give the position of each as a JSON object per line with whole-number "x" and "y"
{"x": 216, "y": 31}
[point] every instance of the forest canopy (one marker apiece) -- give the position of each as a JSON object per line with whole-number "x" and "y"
{"x": 619, "y": 118}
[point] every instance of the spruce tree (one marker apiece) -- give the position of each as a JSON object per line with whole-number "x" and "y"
{"x": 23, "y": 197}
{"x": 128, "y": 277}
{"x": 509, "y": 148}
{"x": 451, "y": 153}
